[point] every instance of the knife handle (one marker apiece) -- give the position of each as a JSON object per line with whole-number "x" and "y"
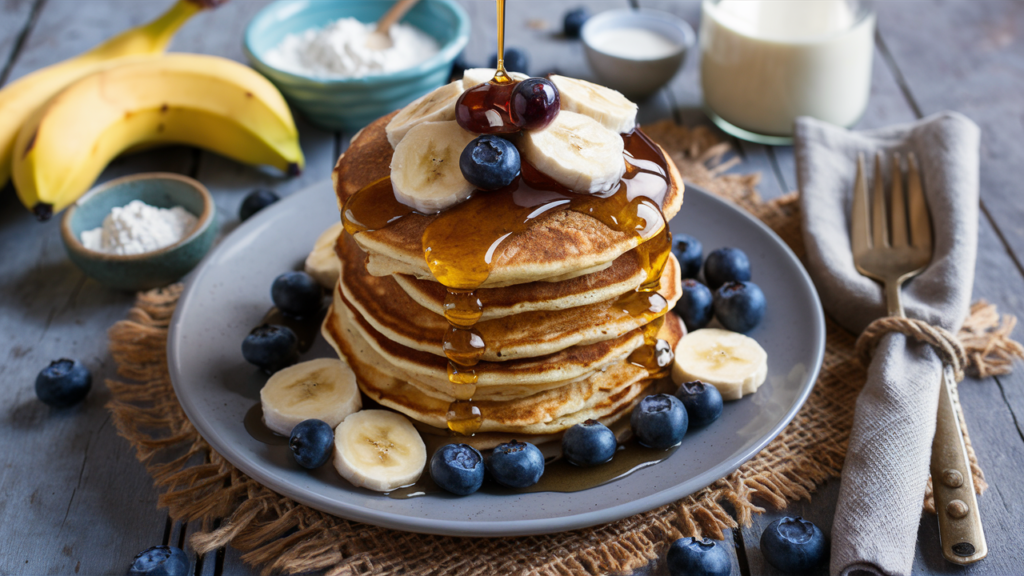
{"x": 960, "y": 532}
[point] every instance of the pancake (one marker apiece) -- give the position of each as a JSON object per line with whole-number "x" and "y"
{"x": 563, "y": 366}
{"x": 624, "y": 274}
{"x": 549, "y": 412}
{"x": 392, "y": 312}
{"x": 560, "y": 244}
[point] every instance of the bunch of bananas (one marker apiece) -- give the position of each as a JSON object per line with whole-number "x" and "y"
{"x": 61, "y": 126}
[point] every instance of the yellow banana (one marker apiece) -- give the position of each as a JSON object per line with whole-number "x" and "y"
{"x": 20, "y": 98}
{"x": 203, "y": 101}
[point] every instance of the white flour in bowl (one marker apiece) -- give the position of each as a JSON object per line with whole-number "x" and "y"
{"x": 138, "y": 227}
{"x": 339, "y": 50}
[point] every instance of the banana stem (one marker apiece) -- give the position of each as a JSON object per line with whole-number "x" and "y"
{"x": 157, "y": 33}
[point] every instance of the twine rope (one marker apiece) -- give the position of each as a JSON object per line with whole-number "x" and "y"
{"x": 946, "y": 345}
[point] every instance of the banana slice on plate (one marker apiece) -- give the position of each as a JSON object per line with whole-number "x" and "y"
{"x": 577, "y": 152}
{"x": 425, "y": 171}
{"x": 322, "y": 263}
{"x": 477, "y": 76}
{"x": 379, "y": 450}
{"x": 324, "y": 389}
{"x": 436, "y": 106}
{"x": 736, "y": 364}
{"x": 609, "y": 107}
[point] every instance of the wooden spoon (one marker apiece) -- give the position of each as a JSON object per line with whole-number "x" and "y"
{"x": 379, "y": 39}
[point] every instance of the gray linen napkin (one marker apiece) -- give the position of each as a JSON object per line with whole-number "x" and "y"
{"x": 886, "y": 469}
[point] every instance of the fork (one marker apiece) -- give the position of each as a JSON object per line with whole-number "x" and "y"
{"x": 889, "y": 251}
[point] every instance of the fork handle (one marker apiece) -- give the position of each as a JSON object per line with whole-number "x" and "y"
{"x": 892, "y": 298}
{"x": 960, "y": 532}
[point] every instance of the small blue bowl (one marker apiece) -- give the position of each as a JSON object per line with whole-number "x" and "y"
{"x": 150, "y": 269}
{"x": 350, "y": 104}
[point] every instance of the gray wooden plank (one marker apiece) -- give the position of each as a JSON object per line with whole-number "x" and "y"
{"x": 978, "y": 69}
{"x": 15, "y": 17}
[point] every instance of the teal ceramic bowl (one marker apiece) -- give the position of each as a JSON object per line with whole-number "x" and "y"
{"x": 350, "y": 104}
{"x": 150, "y": 269}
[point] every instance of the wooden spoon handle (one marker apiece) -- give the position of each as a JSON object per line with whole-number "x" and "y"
{"x": 394, "y": 14}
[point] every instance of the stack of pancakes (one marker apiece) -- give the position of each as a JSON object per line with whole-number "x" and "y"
{"x": 557, "y": 340}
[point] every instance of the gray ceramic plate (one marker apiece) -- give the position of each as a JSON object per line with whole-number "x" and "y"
{"x": 230, "y": 292}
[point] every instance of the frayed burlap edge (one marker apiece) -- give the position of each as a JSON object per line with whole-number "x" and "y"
{"x": 279, "y": 535}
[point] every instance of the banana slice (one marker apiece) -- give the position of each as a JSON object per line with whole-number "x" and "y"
{"x": 379, "y": 450}
{"x": 477, "y": 76}
{"x": 437, "y": 106}
{"x": 609, "y": 107}
{"x": 324, "y": 389}
{"x": 577, "y": 152}
{"x": 736, "y": 364}
{"x": 322, "y": 263}
{"x": 425, "y": 171}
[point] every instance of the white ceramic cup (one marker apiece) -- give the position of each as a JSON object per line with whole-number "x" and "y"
{"x": 766, "y": 62}
{"x": 634, "y": 75}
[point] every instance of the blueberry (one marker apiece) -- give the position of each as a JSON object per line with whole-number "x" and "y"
{"x": 725, "y": 265}
{"x": 271, "y": 347}
{"x": 659, "y": 421}
{"x": 515, "y": 60}
{"x": 459, "y": 67}
{"x": 63, "y": 383}
{"x": 257, "y": 200}
{"x": 739, "y": 306}
{"x": 516, "y": 464}
{"x": 458, "y": 468}
{"x": 694, "y": 305}
{"x": 535, "y": 103}
{"x": 161, "y": 561}
{"x": 689, "y": 252}
{"x": 297, "y": 294}
{"x": 490, "y": 162}
{"x": 703, "y": 402}
{"x": 793, "y": 545}
{"x": 692, "y": 557}
{"x": 311, "y": 442}
{"x": 589, "y": 443}
{"x": 574, "y": 21}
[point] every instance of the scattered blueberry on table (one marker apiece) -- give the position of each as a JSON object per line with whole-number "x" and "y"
{"x": 297, "y": 294}
{"x": 726, "y": 265}
{"x": 457, "y": 468}
{"x": 490, "y": 162}
{"x": 703, "y": 402}
{"x": 739, "y": 306}
{"x": 63, "y": 383}
{"x": 311, "y": 443}
{"x": 589, "y": 443}
{"x": 271, "y": 347}
{"x": 659, "y": 421}
{"x": 689, "y": 252}
{"x": 695, "y": 305}
{"x": 515, "y": 60}
{"x": 257, "y": 200}
{"x": 161, "y": 561}
{"x": 574, "y": 21}
{"x": 793, "y": 545}
{"x": 534, "y": 103}
{"x": 516, "y": 464}
{"x": 693, "y": 557}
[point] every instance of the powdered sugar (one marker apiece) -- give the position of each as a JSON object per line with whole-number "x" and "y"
{"x": 138, "y": 227}
{"x": 339, "y": 50}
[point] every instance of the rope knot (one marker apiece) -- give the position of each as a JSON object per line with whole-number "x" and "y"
{"x": 946, "y": 345}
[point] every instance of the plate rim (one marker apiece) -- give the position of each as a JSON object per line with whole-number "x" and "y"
{"x": 527, "y": 527}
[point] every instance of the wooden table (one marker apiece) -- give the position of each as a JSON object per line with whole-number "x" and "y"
{"x": 73, "y": 499}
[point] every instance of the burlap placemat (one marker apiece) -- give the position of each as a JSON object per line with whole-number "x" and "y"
{"x": 280, "y": 535}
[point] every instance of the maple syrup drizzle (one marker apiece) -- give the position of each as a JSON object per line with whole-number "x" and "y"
{"x": 460, "y": 243}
